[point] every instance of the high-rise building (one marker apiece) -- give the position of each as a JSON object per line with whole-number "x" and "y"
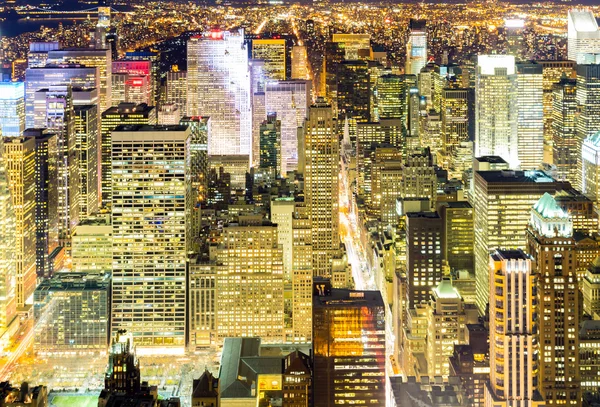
{"x": 353, "y": 46}
{"x": 71, "y": 311}
{"x": 273, "y": 52}
{"x": 419, "y": 180}
{"x": 44, "y": 77}
{"x": 38, "y": 53}
{"x": 564, "y": 141}
{"x": 87, "y": 137}
{"x": 19, "y": 159}
{"x": 348, "y": 346}
{"x": 8, "y": 253}
{"x": 199, "y": 130}
{"x": 424, "y": 255}
{"x": 589, "y": 355}
{"x": 169, "y": 114}
{"x": 300, "y": 68}
{"x": 270, "y": 144}
{"x": 202, "y": 303}
{"x": 416, "y": 47}
{"x": 590, "y": 288}
{"x": 176, "y": 90}
{"x": 446, "y": 327}
{"x": 496, "y": 108}
{"x": 590, "y": 167}
{"x": 133, "y": 82}
{"x": 218, "y": 86}
{"x": 124, "y": 113}
{"x": 321, "y": 184}
{"x": 514, "y": 343}
{"x": 290, "y": 101}
{"x": 502, "y": 201}
{"x": 550, "y": 242}
{"x": 353, "y": 94}
{"x": 455, "y": 122}
{"x": 391, "y": 97}
{"x": 46, "y": 197}
{"x": 459, "y": 235}
{"x": 553, "y": 73}
{"x": 91, "y": 246}
{"x": 153, "y": 309}
{"x": 102, "y": 27}
{"x": 301, "y": 275}
{"x": 514, "y": 29}
{"x": 12, "y": 109}
{"x": 530, "y": 115}
{"x": 583, "y": 36}
{"x": 588, "y": 107}
{"x": 54, "y": 110}
{"x": 249, "y": 283}
{"x": 91, "y": 58}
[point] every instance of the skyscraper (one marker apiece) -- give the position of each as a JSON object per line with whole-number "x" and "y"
{"x": 416, "y": 47}
{"x": 89, "y": 57}
{"x": 270, "y": 144}
{"x": 550, "y": 242}
{"x": 8, "y": 254}
{"x": 496, "y": 108}
{"x": 391, "y": 97}
{"x": 19, "y": 158}
{"x": 12, "y": 109}
{"x": 219, "y": 87}
{"x": 321, "y": 184}
{"x": 300, "y": 68}
{"x": 176, "y": 90}
{"x": 46, "y": 197}
{"x": 514, "y": 29}
{"x": 583, "y": 36}
{"x": 502, "y": 201}
{"x": 249, "y": 283}
{"x": 590, "y": 167}
{"x": 156, "y": 158}
{"x": 273, "y": 52}
{"x": 124, "y": 113}
{"x": 199, "y": 130}
{"x": 348, "y": 346}
{"x": 133, "y": 81}
{"x": 530, "y": 115}
{"x": 455, "y": 122}
{"x": 564, "y": 141}
{"x": 86, "y": 136}
{"x": 54, "y": 110}
{"x": 588, "y": 107}
{"x": 514, "y": 343}
{"x": 290, "y": 101}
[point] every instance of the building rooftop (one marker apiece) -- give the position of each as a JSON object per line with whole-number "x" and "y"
{"x": 549, "y": 209}
{"x": 148, "y": 127}
{"x": 76, "y": 281}
{"x": 533, "y": 176}
{"x": 518, "y": 254}
{"x": 445, "y": 289}
{"x": 428, "y": 215}
{"x": 348, "y": 298}
{"x": 583, "y": 20}
{"x": 594, "y": 139}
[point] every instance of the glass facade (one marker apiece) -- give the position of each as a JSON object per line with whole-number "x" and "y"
{"x": 12, "y": 109}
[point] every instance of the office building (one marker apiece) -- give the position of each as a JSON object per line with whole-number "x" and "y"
{"x": 590, "y": 167}
{"x": 301, "y": 275}
{"x": 588, "y": 109}
{"x": 300, "y": 69}
{"x": 249, "y": 283}
{"x": 420, "y": 180}
{"x": 354, "y": 89}
{"x": 46, "y": 197}
{"x": 502, "y": 202}
{"x": 8, "y": 252}
{"x": 391, "y": 97}
{"x": 348, "y": 346}
{"x": 583, "y": 36}
{"x": 514, "y": 344}
{"x": 550, "y": 243}
{"x": 71, "y": 311}
{"x": 169, "y": 114}
{"x": 590, "y": 288}
{"x": 176, "y": 90}
{"x": 270, "y": 145}
{"x": 321, "y": 184}
{"x": 87, "y": 137}
{"x": 202, "y": 286}
{"x": 38, "y": 53}
{"x": 91, "y": 58}
{"x": 553, "y": 73}
{"x": 91, "y": 245}
{"x": 78, "y": 76}
{"x": 496, "y": 108}
{"x": 290, "y": 101}
{"x": 564, "y": 141}
{"x": 12, "y": 108}
{"x": 514, "y": 28}
{"x": 455, "y": 122}
{"x": 424, "y": 255}
{"x": 218, "y": 86}
{"x": 199, "y": 130}
{"x": 54, "y": 110}
{"x": 125, "y": 114}
{"x": 133, "y": 82}
{"x": 19, "y": 159}
{"x": 273, "y": 52}
{"x": 416, "y": 47}
{"x": 353, "y": 46}
{"x": 530, "y": 115}
{"x": 446, "y": 327}
{"x": 459, "y": 235}
{"x": 234, "y": 165}
{"x": 153, "y": 311}
{"x": 589, "y": 356}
